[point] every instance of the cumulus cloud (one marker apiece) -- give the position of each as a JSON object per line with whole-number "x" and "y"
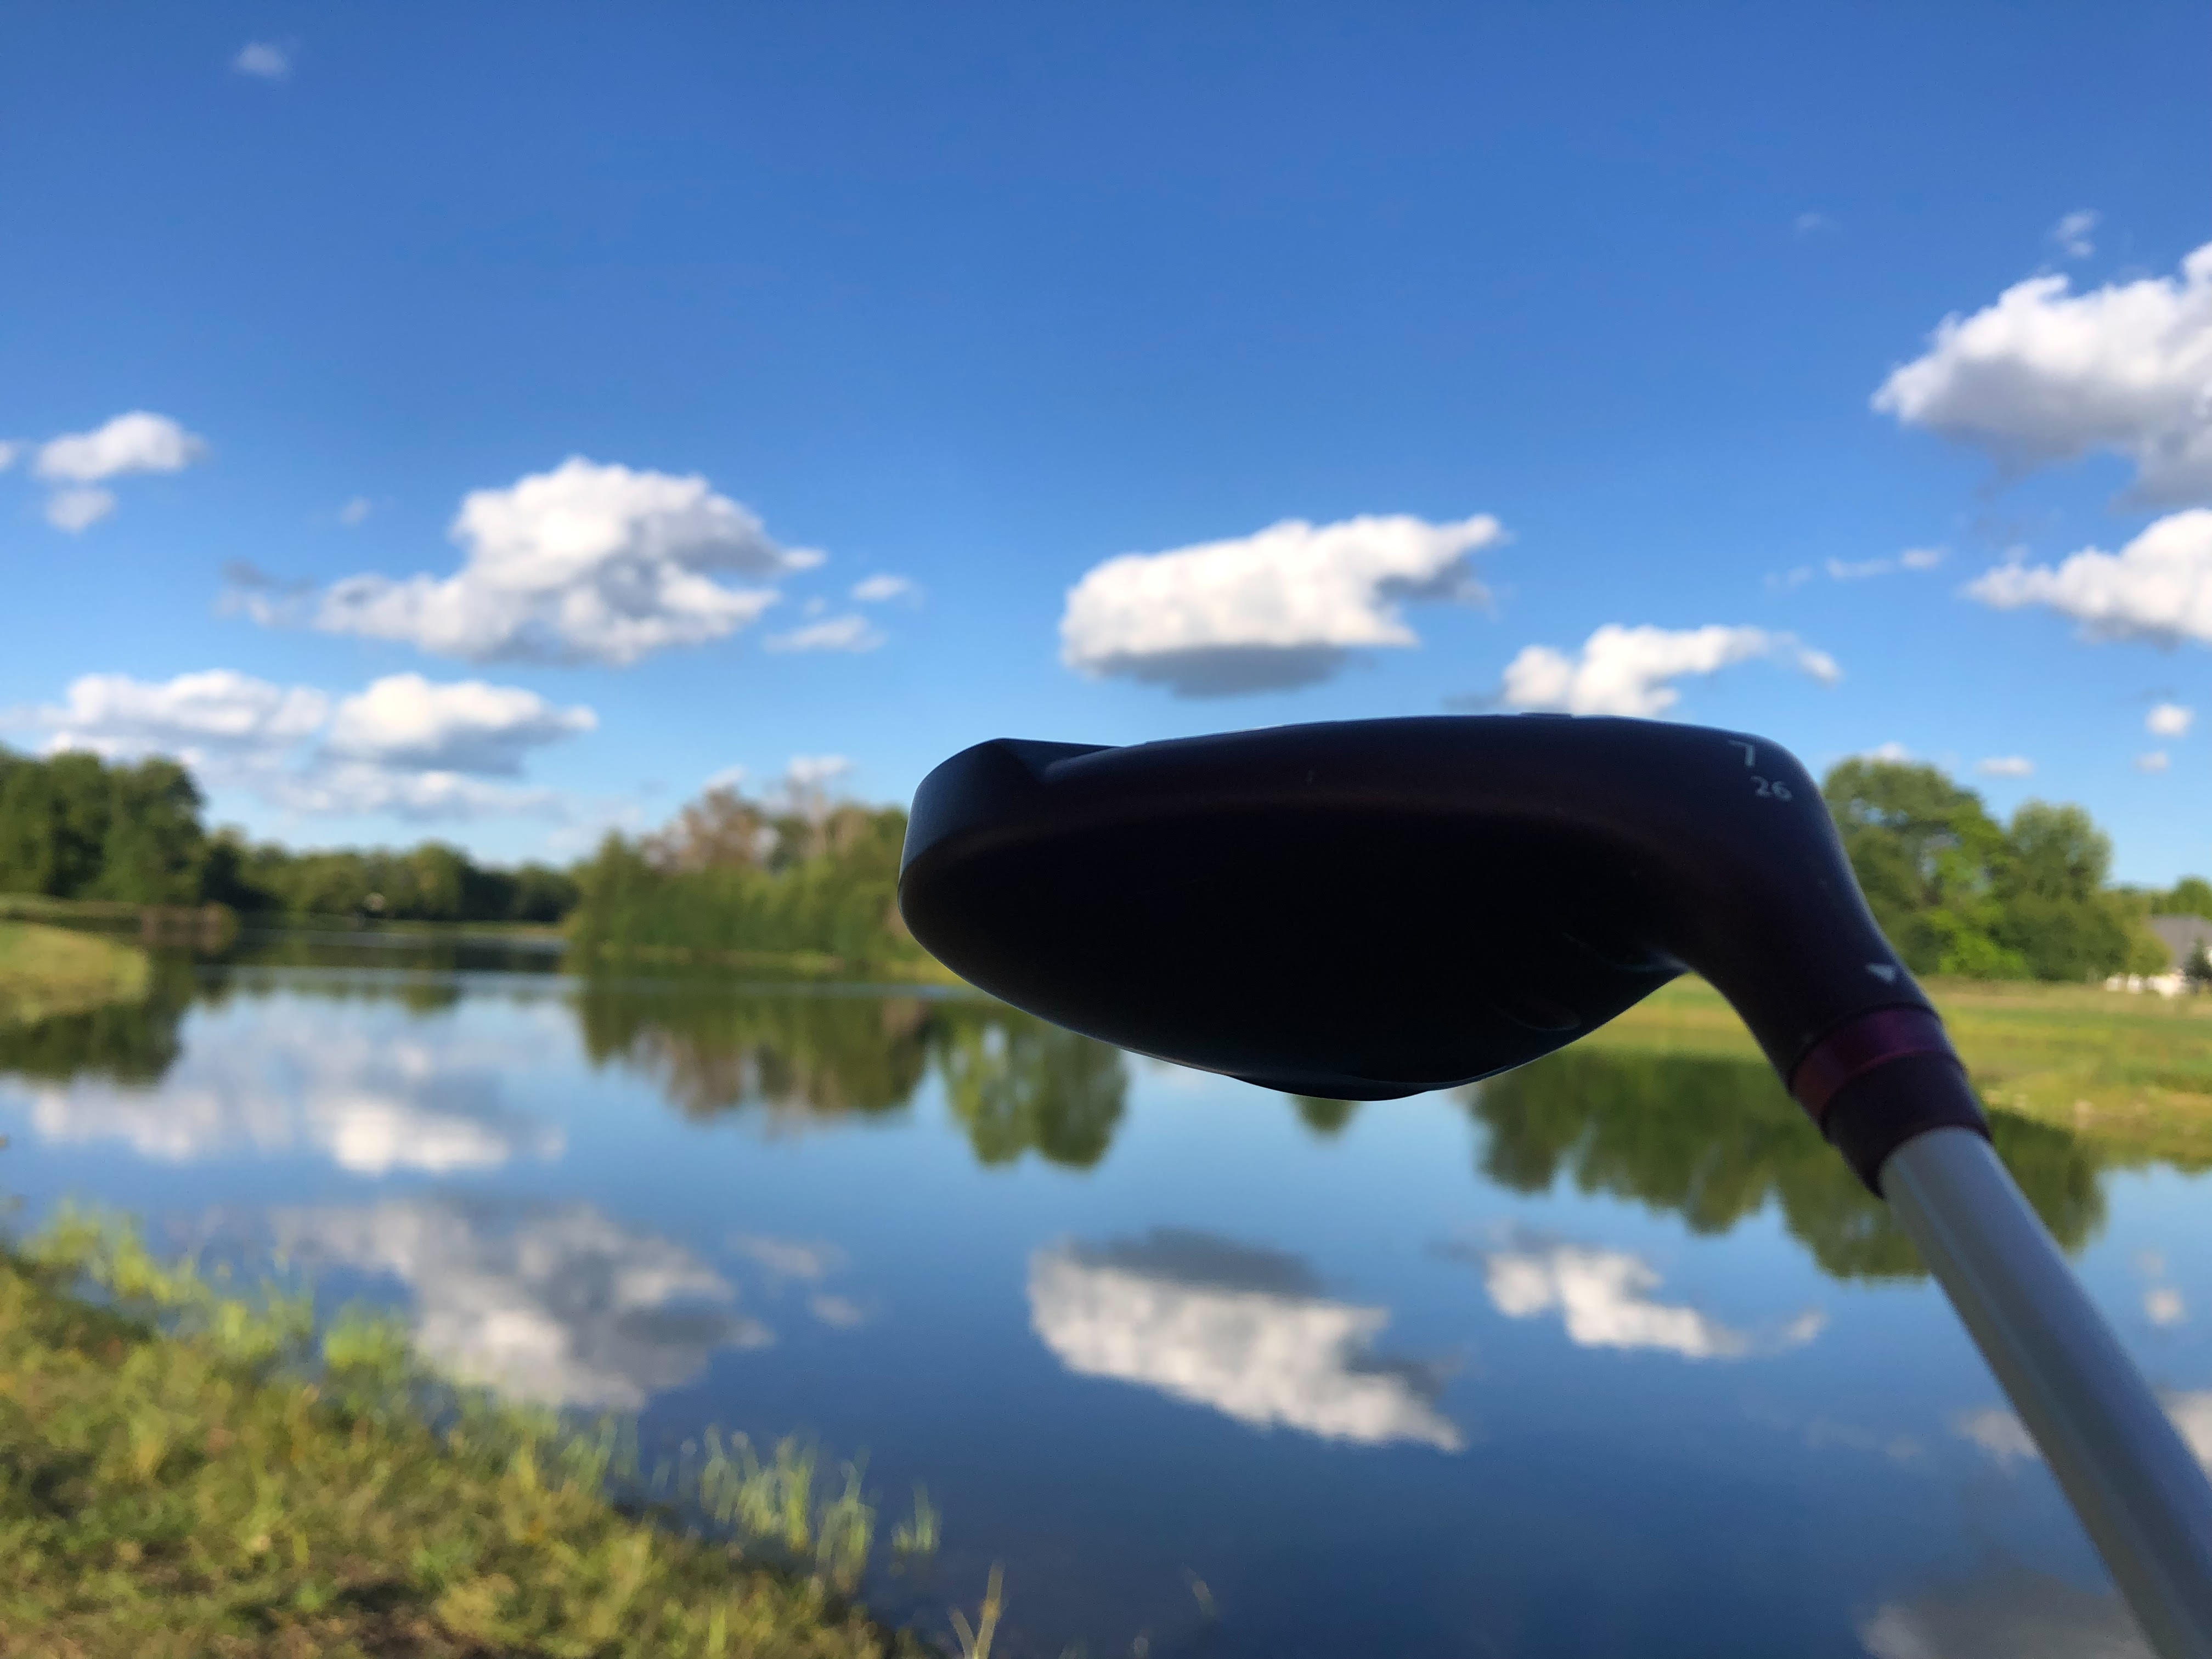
{"x": 585, "y": 563}
{"x": 373, "y": 1096}
{"x": 2006, "y": 766}
{"x": 404, "y": 746}
{"x": 356, "y": 511}
{"x": 1243, "y": 1331}
{"x": 1628, "y": 670}
{"x": 1604, "y": 1297}
{"x": 8, "y": 452}
{"x": 78, "y": 509}
{"x": 218, "y": 709}
{"x": 553, "y": 1304}
{"x": 136, "y": 443}
{"x": 2045, "y": 375}
{"x": 1267, "y": 611}
{"x": 2155, "y": 761}
{"x": 263, "y": 60}
{"x": 1913, "y": 558}
{"x": 848, "y": 632}
{"x": 1894, "y": 753}
{"x": 882, "y": 589}
{"x": 76, "y": 463}
{"x": 2169, "y": 719}
{"x": 2163, "y": 1305}
{"x": 2071, "y": 234}
{"x": 2158, "y": 587}
{"x": 404, "y": 720}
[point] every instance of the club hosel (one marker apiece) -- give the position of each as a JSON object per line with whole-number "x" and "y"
{"x": 1875, "y": 1076}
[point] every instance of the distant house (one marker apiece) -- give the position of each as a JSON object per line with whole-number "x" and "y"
{"x": 2181, "y": 935}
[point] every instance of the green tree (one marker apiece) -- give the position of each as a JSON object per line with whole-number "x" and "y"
{"x": 1019, "y": 1084}
{"x": 1922, "y": 848}
{"x": 2053, "y": 910}
{"x": 2190, "y": 896}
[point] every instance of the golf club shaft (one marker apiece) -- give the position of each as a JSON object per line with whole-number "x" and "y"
{"x": 2137, "y": 1489}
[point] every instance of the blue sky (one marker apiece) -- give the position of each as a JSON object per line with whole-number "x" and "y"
{"x": 1539, "y": 322}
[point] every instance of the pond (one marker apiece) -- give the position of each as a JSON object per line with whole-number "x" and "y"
{"x": 1609, "y": 1355}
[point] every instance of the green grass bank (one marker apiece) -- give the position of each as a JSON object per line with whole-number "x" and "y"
{"x": 45, "y": 971}
{"x": 2133, "y": 1074}
{"x": 182, "y": 1473}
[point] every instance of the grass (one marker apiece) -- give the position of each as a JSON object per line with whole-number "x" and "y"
{"x": 2133, "y": 1074}
{"x": 183, "y": 1472}
{"x": 45, "y": 971}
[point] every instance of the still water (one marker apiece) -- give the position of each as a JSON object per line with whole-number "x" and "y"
{"x": 1608, "y": 1356}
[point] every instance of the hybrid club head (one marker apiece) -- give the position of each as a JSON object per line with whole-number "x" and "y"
{"x": 1365, "y": 910}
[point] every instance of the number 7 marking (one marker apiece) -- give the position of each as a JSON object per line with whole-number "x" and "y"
{"x": 1750, "y": 754}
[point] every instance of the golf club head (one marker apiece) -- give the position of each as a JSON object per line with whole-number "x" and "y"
{"x": 1365, "y": 910}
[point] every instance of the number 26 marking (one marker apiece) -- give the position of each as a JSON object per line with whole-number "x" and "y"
{"x": 1761, "y": 787}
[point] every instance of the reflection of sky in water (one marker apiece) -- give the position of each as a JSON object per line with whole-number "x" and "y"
{"x": 1243, "y": 1331}
{"x": 557, "y": 1305}
{"x": 373, "y": 1096}
{"x": 1134, "y": 1324}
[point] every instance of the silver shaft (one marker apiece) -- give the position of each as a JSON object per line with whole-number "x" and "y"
{"x": 2139, "y": 1493}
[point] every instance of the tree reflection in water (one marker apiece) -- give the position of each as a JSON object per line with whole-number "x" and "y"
{"x": 800, "y": 1055}
{"x": 1712, "y": 1141}
{"x": 1014, "y": 1083}
{"x": 131, "y": 1042}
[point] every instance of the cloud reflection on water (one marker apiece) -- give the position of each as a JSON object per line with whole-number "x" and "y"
{"x": 1603, "y": 1298}
{"x": 556, "y": 1304}
{"x": 371, "y": 1099}
{"x": 2015, "y": 1615}
{"x": 1242, "y": 1330}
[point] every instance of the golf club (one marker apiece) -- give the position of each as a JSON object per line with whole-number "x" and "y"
{"x": 1367, "y": 909}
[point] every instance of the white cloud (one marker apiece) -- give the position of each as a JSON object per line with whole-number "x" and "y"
{"x": 2045, "y": 375}
{"x": 2072, "y": 232}
{"x": 848, "y": 632}
{"x": 136, "y": 443}
{"x": 780, "y": 1259}
{"x": 730, "y": 777}
{"x": 406, "y": 745}
{"x": 2155, "y": 761}
{"x": 372, "y": 1095}
{"x": 815, "y": 771}
{"x": 356, "y": 511}
{"x": 1999, "y": 1433}
{"x": 840, "y": 1313}
{"x": 1603, "y": 1298}
{"x": 1913, "y": 558}
{"x": 2005, "y": 1437}
{"x": 1811, "y": 224}
{"x": 8, "y": 453}
{"x": 2158, "y": 587}
{"x": 265, "y": 60}
{"x": 583, "y": 563}
{"x": 2169, "y": 719}
{"x": 117, "y": 715}
{"x": 880, "y": 589}
{"x": 1270, "y": 611}
{"x": 1626, "y": 671}
{"x": 1242, "y": 1331}
{"x": 76, "y": 462}
{"x": 364, "y": 789}
{"x": 78, "y": 510}
{"x": 404, "y": 720}
{"x": 559, "y": 1305}
{"x": 2163, "y": 1305}
{"x": 2006, "y": 766}
{"x": 1894, "y": 753}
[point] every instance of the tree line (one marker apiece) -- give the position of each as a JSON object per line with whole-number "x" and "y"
{"x": 75, "y": 826}
{"x": 733, "y": 880}
{"x": 1957, "y": 892}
